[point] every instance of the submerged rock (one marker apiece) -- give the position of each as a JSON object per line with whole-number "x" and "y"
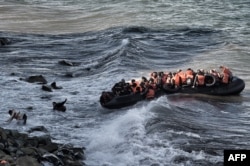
{"x": 4, "y": 41}
{"x": 36, "y": 79}
{"x": 46, "y": 88}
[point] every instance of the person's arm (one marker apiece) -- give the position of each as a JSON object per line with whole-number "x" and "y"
{"x": 12, "y": 117}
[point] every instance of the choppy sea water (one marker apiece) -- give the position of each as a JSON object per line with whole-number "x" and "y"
{"x": 111, "y": 40}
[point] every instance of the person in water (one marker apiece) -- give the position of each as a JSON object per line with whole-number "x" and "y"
{"x": 18, "y": 116}
{"x": 59, "y": 106}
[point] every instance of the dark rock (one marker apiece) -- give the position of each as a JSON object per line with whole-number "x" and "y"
{"x": 49, "y": 147}
{"x": 33, "y": 151}
{"x": 38, "y": 128}
{"x": 36, "y": 79}
{"x": 66, "y": 63}
{"x": 28, "y": 161}
{"x": 46, "y": 88}
{"x": 29, "y": 108}
{"x": 52, "y": 158}
{"x": 4, "y": 41}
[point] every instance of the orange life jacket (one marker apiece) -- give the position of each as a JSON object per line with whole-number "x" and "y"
{"x": 183, "y": 77}
{"x": 225, "y": 78}
{"x": 226, "y": 70}
{"x": 150, "y": 94}
{"x": 135, "y": 87}
{"x": 177, "y": 80}
{"x": 201, "y": 79}
{"x": 169, "y": 80}
{"x": 190, "y": 74}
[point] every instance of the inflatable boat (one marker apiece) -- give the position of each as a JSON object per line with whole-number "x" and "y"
{"x": 211, "y": 87}
{"x": 233, "y": 88}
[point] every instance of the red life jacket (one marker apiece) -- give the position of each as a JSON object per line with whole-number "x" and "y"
{"x": 150, "y": 94}
{"x": 201, "y": 80}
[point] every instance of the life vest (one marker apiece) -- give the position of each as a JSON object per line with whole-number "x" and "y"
{"x": 150, "y": 94}
{"x": 177, "y": 80}
{"x": 226, "y": 70}
{"x": 183, "y": 77}
{"x": 190, "y": 74}
{"x": 225, "y": 78}
{"x": 201, "y": 79}
{"x": 135, "y": 87}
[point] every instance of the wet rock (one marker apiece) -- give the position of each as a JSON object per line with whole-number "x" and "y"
{"x": 36, "y": 79}
{"x": 29, "y": 108}
{"x": 27, "y": 160}
{"x": 46, "y": 88}
{"x": 68, "y": 63}
{"x": 38, "y": 128}
{"x": 4, "y": 41}
{"x": 33, "y": 151}
{"x": 50, "y": 157}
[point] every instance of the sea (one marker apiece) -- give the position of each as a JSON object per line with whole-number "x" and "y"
{"x": 110, "y": 40}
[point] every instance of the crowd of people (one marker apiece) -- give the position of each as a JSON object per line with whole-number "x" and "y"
{"x": 172, "y": 80}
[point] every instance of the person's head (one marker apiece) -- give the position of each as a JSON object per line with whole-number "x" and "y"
{"x": 133, "y": 81}
{"x": 154, "y": 74}
{"x": 54, "y": 104}
{"x": 122, "y": 81}
{"x": 10, "y": 112}
{"x": 144, "y": 79}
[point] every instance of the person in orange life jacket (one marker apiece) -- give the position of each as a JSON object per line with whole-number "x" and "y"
{"x": 152, "y": 83}
{"x": 226, "y": 74}
{"x": 177, "y": 80}
{"x": 199, "y": 79}
{"x": 183, "y": 77}
{"x": 150, "y": 93}
{"x": 135, "y": 86}
{"x": 17, "y": 116}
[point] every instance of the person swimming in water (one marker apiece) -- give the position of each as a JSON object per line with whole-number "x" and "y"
{"x": 18, "y": 116}
{"x": 59, "y": 106}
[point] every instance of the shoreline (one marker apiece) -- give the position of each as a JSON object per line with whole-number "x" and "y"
{"x": 20, "y": 149}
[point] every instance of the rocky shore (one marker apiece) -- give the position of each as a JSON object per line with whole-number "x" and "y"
{"x": 19, "y": 149}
